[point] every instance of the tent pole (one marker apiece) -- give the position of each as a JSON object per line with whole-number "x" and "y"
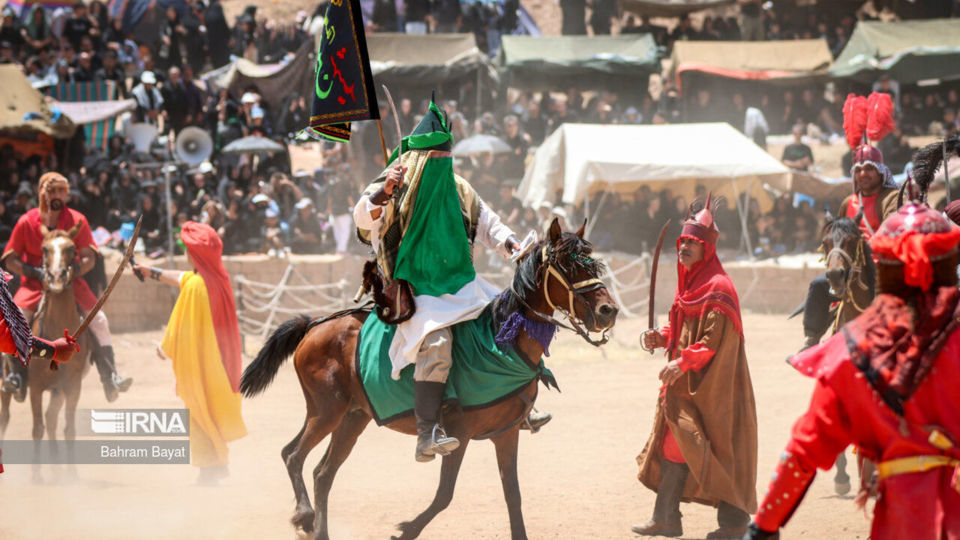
{"x": 596, "y": 211}
{"x": 477, "y": 114}
{"x": 743, "y": 214}
{"x": 170, "y": 216}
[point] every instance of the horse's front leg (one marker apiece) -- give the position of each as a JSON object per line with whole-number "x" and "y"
{"x": 506, "y": 445}
{"x": 449, "y": 470}
{"x": 36, "y": 407}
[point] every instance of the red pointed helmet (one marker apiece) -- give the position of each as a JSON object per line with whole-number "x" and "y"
{"x": 916, "y": 236}
{"x": 702, "y": 227}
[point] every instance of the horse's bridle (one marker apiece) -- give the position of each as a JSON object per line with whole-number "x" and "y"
{"x": 856, "y": 266}
{"x": 575, "y": 291}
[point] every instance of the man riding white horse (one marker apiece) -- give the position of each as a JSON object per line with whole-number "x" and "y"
{"x": 429, "y": 276}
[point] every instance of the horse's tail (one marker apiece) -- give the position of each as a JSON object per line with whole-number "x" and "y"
{"x": 279, "y": 346}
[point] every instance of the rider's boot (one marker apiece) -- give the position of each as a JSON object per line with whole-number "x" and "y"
{"x": 536, "y": 420}
{"x": 113, "y": 384}
{"x": 431, "y": 438}
{"x": 810, "y": 340}
{"x": 16, "y": 381}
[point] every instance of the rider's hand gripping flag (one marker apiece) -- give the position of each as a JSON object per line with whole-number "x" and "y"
{"x": 343, "y": 89}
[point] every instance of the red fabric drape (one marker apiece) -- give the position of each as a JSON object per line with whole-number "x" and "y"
{"x": 706, "y": 286}
{"x": 206, "y": 249}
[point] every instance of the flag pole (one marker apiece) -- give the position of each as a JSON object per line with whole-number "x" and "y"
{"x": 383, "y": 143}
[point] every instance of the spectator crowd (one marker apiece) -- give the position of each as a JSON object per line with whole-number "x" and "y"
{"x": 258, "y": 204}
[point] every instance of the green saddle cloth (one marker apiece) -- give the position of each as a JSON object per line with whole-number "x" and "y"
{"x": 482, "y": 373}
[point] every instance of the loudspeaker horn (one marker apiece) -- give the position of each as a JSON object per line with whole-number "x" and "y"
{"x": 142, "y": 136}
{"x": 194, "y": 146}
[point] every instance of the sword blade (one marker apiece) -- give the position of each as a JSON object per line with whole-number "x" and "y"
{"x": 396, "y": 121}
{"x": 113, "y": 282}
{"x": 653, "y": 275}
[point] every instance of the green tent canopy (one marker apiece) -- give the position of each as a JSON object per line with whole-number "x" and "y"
{"x": 595, "y": 62}
{"x": 908, "y": 51}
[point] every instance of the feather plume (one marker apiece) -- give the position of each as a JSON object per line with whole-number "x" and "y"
{"x": 880, "y": 122}
{"x": 854, "y": 119}
{"x": 928, "y": 159}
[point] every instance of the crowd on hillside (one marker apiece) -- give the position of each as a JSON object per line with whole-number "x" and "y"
{"x": 261, "y": 205}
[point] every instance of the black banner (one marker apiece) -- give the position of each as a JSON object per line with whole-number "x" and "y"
{"x": 343, "y": 88}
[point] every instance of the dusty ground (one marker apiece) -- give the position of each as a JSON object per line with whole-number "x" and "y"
{"x": 578, "y": 475}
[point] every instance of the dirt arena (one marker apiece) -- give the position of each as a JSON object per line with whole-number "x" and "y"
{"x": 578, "y": 475}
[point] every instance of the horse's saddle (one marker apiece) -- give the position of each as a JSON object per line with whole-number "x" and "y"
{"x": 394, "y": 300}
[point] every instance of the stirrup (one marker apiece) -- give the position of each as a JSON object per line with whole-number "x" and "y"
{"x": 536, "y": 420}
{"x": 12, "y": 383}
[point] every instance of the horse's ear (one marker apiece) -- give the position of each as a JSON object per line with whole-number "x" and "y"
{"x": 555, "y": 230}
{"x": 75, "y": 230}
{"x": 580, "y": 232}
{"x": 44, "y": 230}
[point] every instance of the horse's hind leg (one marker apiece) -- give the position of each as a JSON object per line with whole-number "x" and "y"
{"x": 449, "y": 470}
{"x": 315, "y": 428}
{"x": 841, "y": 481}
{"x": 506, "y": 445}
{"x": 341, "y": 443}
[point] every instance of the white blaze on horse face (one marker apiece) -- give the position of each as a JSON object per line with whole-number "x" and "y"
{"x": 55, "y": 263}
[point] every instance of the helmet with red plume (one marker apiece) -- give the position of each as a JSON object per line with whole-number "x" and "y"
{"x": 702, "y": 225}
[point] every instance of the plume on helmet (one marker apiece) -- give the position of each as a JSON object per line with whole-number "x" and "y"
{"x": 928, "y": 159}
{"x": 880, "y": 121}
{"x": 854, "y": 119}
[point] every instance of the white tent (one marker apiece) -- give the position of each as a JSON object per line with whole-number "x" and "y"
{"x": 579, "y": 159}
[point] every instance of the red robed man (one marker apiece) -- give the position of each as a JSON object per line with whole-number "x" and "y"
{"x": 887, "y": 383}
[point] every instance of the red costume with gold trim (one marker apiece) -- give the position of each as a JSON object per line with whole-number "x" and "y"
{"x": 887, "y": 383}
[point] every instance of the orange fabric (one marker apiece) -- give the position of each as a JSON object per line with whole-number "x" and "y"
{"x": 206, "y": 249}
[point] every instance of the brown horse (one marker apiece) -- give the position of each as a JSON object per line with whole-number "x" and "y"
{"x": 852, "y": 275}
{"x": 851, "y": 271}
{"x": 557, "y": 272}
{"x": 57, "y": 311}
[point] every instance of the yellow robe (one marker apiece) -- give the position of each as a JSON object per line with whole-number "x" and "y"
{"x": 191, "y": 343}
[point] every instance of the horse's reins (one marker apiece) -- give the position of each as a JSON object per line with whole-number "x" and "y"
{"x": 574, "y": 291}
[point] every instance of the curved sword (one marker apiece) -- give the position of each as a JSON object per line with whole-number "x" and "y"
{"x": 653, "y": 285}
{"x": 106, "y": 293}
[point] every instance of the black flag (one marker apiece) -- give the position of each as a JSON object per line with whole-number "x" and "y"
{"x": 343, "y": 90}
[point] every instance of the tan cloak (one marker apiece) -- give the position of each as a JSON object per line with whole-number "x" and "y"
{"x": 712, "y": 415}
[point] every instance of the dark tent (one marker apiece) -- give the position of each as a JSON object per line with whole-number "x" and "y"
{"x": 595, "y": 62}
{"x": 908, "y": 51}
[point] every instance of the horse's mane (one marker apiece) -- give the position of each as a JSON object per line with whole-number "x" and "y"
{"x": 526, "y": 279}
{"x": 841, "y": 228}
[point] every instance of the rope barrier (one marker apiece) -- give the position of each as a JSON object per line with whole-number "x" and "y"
{"x": 259, "y": 304}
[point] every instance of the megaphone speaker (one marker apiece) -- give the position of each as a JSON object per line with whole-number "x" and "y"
{"x": 194, "y": 145}
{"x": 142, "y": 136}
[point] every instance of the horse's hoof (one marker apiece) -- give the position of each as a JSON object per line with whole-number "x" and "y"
{"x": 841, "y": 488}
{"x": 407, "y": 531}
{"x": 303, "y": 519}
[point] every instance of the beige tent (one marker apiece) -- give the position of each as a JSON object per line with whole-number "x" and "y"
{"x": 581, "y": 159}
{"x": 793, "y": 60}
{"x": 24, "y": 109}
